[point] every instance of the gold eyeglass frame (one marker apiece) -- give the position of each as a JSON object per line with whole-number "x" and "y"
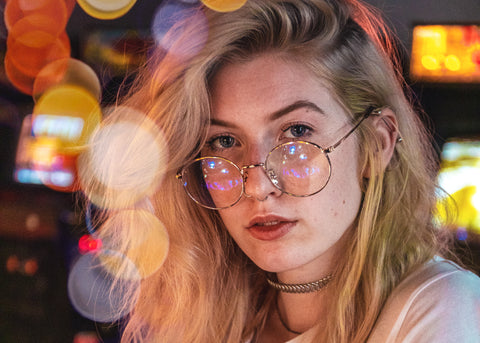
{"x": 180, "y": 174}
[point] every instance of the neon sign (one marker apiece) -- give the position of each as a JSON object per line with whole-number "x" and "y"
{"x": 446, "y": 53}
{"x": 63, "y": 127}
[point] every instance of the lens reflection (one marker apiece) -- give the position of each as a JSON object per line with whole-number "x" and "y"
{"x": 213, "y": 182}
{"x": 302, "y": 168}
{"x": 296, "y": 168}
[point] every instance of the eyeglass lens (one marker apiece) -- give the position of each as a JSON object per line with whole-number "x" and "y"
{"x": 296, "y": 168}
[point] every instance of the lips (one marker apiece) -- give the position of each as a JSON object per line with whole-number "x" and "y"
{"x": 267, "y": 228}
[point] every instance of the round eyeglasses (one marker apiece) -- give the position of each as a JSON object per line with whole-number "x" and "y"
{"x": 297, "y": 168}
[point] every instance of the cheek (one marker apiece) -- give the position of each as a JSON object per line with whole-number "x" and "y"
{"x": 230, "y": 220}
{"x": 345, "y": 164}
{"x": 343, "y": 192}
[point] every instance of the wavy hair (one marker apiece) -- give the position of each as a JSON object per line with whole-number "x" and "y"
{"x": 207, "y": 290}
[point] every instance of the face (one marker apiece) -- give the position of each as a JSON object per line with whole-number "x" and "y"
{"x": 257, "y": 105}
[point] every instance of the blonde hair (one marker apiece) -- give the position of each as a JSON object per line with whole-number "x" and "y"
{"x": 207, "y": 290}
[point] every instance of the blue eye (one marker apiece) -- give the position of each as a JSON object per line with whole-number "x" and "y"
{"x": 298, "y": 130}
{"x": 219, "y": 143}
{"x": 226, "y": 141}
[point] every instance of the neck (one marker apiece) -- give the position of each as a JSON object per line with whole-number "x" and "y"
{"x": 301, "y": 312}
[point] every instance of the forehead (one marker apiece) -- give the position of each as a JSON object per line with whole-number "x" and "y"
{"x": 264, "y": 85}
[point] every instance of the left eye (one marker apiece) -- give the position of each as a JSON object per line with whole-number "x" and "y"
{"x": 298, "y": 131}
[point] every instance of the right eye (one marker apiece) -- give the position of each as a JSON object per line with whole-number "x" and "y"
{"x": 297, "y": 131}
{"x": 221, "y": 142}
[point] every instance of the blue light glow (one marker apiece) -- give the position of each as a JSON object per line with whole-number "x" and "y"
{"x": 28, "y": 176}
{"x": 306, "y": 172}
{"x": 462, "y": 234}
{"x": 216, "y": 186}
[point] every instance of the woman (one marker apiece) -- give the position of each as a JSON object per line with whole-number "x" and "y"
{"x": 309, "y": 183}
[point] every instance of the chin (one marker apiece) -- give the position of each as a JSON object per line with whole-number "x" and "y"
{"x": 275, "y": 264}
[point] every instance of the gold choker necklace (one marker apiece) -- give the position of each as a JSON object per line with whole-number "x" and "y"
{"x": 300, "y": 287}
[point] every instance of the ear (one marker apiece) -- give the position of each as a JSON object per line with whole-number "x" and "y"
{"x": 385, "y": 127}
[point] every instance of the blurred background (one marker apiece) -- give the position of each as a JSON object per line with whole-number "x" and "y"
{"x": 97, "y": 46}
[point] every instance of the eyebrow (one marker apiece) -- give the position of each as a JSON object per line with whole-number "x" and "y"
{"x": 277, "y": 114}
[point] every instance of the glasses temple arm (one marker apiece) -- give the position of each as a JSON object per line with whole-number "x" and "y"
{"x": 364, "y": 116}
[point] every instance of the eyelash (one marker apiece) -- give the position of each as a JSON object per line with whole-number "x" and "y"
{"x": 211, "y": 142}
{"x": 291, "y": 126}
{"x": 215, "y": 147}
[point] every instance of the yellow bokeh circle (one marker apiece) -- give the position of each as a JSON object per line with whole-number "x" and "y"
{"x": 430, "y": 62}
{"x": 106, "y": 9}
{"x": 224, "y": 5}
{"x": 68, "y": 112}
{"x": 145, "y": 249}
{"x": 67, "y": 71}
{"x": 452, "y": 63}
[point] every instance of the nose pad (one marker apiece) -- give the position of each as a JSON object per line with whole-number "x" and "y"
{"x": 257, "y": 184}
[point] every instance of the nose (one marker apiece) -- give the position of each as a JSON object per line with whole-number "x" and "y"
{"x": 257, "y": 184}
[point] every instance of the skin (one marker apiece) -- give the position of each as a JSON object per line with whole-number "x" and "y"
{"x": 306, "y": 233}
{"x": 257, "y": 105}
{"x": 244, "y": 98}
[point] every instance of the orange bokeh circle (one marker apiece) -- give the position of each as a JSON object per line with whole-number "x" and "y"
{"x": 30, "y": 57}
{"x": 57, "y": 11}
{"x": 18, "y": 79}
{"x": 67, "y": 71}
{"x": 224, "y": 5}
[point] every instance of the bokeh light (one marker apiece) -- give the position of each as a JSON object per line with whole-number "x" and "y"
{"x": 36, "y": 30}
{"x": 67, "y": 71}
{"x": 15, "y": 10}
{"x": 88, "y": 244}
{"x": 458, "y": 176}
{"x": 31, "y": 59}
{"x": 70, "y": 4}
{"x": 12, "y": 264}
{"x": 445, "y": 53}
{"x": 224, "y": 5}
{"x": 476, "y": 56}
{"x": 180, "y": 29}
{"x": 452, "y": 63}
{"x": 96, "y": 295}
{"x": 19, "y": 80}
{"x": 430, "y": 62}
{"x": 36, "y": 37}
{"x": 30, "y": 266}
{"x": 146, "y": 247}
{"x": 68, "y": 112}
{"x": 53, "y": 169}
{"x": 106, "y": 9}
{"x": 125, "y": 160}
{"x": 33, "y": 42}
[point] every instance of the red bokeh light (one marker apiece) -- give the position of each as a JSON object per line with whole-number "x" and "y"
{"x": 88, "y": 244}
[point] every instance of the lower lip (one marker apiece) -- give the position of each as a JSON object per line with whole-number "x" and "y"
{"x": 271, "y": 232}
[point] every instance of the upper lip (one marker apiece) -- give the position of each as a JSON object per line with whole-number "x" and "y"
{"x": 267, "y": 219}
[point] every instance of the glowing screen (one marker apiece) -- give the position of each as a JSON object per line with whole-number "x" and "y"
{"x": 446, "y": 53}
{"x": 38, "y": 159}
{"x": 459, "y": 176}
